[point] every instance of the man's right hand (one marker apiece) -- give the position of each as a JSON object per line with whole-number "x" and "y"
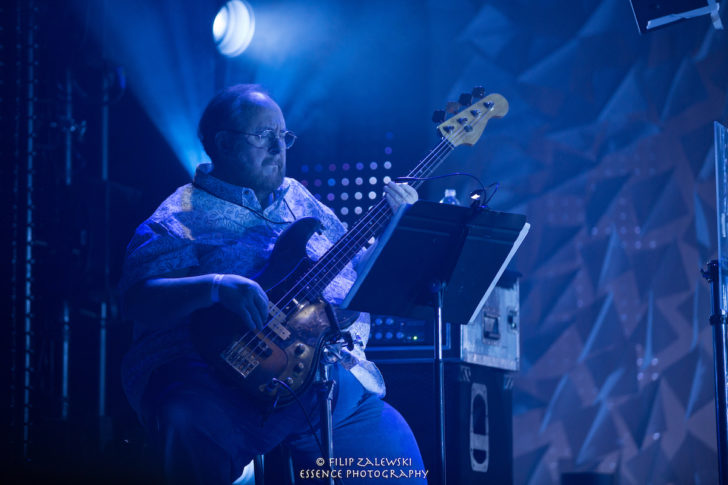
{"x": 246, "y": 298}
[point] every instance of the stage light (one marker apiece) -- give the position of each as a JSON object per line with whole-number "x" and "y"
{"x": 233, "y": 28}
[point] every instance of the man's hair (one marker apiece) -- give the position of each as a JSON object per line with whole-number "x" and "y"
{"x": 221, "y": 112}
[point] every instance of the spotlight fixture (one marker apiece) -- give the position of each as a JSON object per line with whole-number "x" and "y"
{"x": 233, "y": 28}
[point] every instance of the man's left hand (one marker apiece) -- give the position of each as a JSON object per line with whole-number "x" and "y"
{"x": 398, "y": 194}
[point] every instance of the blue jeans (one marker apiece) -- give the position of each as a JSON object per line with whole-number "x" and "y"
{"x": 208, "y": 429}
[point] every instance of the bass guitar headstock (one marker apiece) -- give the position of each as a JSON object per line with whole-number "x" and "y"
{"x": 466, "y": 126}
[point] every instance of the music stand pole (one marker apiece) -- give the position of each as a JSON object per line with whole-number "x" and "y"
{"x": 440, "y": 381}
{"x": 326, "y": 397}
{"x": 720, "y": 358}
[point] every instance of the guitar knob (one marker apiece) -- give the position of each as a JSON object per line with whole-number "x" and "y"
{"x": 478, "y": 92}
{"x": 438, "y": 116}
{"x": 299, "y": 367}
{"x": 289, "y": 381}
{"x": 465, "y": 99}
{"x": 300, "y": 349}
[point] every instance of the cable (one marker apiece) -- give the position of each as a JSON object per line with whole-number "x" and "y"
{"x": 263, "y": 216}
{"x": 295, "y": 217}
{"x": 487, "y": 201}
{"x": 426, "y": 179}
{"x": 254, "y": 211}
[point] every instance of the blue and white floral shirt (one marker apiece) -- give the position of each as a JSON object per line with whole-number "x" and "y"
{"x": 206, "y": 227}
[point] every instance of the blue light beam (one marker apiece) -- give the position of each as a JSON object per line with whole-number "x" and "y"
{"x": 168, "y": 69}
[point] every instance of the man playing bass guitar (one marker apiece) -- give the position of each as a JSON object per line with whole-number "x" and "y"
{"x": 202, "y": 248}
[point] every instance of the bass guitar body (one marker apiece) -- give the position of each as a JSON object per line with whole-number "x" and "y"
{"x": 288, "y": 348}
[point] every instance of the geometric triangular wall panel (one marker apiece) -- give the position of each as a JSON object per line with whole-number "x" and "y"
{"x": 616, "y": 129}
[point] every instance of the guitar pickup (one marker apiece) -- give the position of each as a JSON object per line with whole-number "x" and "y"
{"x": 278, "y": 318}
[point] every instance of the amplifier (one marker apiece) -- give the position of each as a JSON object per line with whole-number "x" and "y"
{"x": 491, "y": 339}
{"x": 478, "y": 418}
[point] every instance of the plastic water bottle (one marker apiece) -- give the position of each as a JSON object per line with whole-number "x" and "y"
{"x": 450, "y": 197}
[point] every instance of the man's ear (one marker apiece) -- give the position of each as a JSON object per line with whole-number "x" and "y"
{"x": 223, "y": 142}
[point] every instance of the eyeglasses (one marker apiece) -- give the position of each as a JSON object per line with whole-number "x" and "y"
{"x": 267, "y": 138}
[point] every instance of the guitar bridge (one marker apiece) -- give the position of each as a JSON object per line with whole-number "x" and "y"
{"x": 243, "y": 358}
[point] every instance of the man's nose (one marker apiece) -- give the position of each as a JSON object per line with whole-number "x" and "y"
{"x": 276, "y": 145}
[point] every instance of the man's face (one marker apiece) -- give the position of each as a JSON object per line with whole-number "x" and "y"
{"x": 259, "y": 168}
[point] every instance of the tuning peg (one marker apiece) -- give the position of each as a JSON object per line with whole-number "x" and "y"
{"x": 438, "y": 116}
{"x": 446, "y": 130}
{"x": 465, "y": 99}
{"x": 452, "y": 107}
{"x": 478, "y": 92}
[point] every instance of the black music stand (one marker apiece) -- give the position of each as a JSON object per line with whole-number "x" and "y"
{"x": 442, "y": 257}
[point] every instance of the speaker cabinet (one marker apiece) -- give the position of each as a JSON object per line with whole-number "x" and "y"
{"x": 478, "y": 418}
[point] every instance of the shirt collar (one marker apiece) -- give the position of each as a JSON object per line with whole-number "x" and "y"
{"x": 232, "y": 193}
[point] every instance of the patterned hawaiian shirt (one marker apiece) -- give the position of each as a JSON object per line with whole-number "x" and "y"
{"x": 208, "y": 226}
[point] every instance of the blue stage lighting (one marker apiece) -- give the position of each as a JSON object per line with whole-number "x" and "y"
{"x": 233, "y": 28}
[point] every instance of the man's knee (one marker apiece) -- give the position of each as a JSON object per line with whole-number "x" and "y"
{"x": 178, "y": 415}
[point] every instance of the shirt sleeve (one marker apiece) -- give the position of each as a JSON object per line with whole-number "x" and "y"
{"x": 155, "y": 250}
